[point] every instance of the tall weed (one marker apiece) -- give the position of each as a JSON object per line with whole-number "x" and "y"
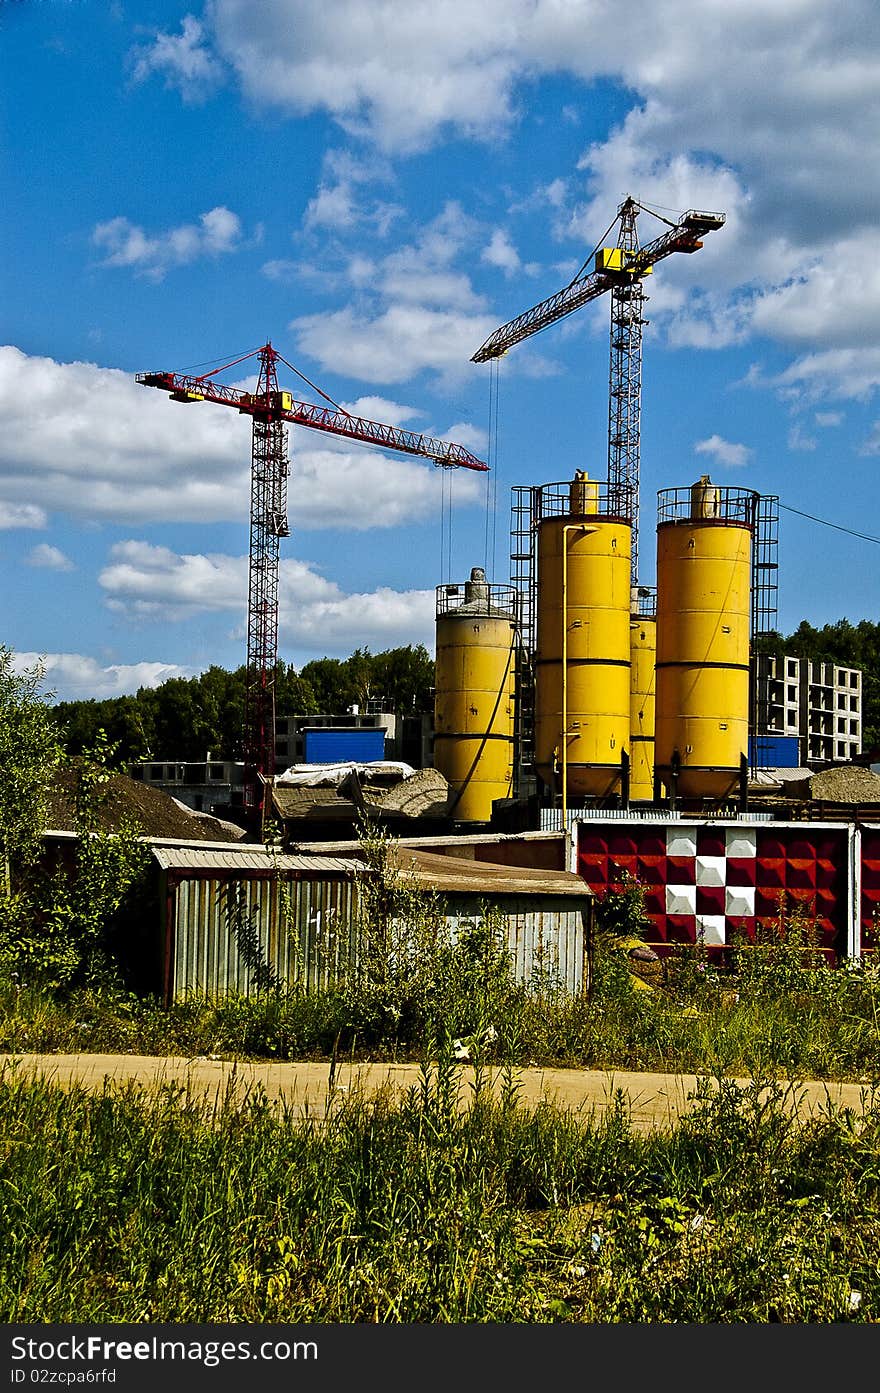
{"x": 128, "y": 1206}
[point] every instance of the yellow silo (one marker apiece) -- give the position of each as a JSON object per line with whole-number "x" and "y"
{"x": 704, "y": 553}
{"x": 643, "y": 652}
{"x": 582, "y": 672}
{"x": 474, "y": 701}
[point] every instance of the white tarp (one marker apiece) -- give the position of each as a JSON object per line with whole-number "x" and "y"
{"x": 328, "y": 775}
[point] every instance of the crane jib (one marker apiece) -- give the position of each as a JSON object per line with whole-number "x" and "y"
{"x": 628, "y": 263}
{"x": 620, "y": 269}
{"x": 281, "y": 406}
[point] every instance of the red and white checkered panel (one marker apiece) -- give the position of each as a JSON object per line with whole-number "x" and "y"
{"x": 869, "y": 908}
{"x": 707, "y": 881}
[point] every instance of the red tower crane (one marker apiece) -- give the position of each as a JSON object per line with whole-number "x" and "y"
{"x": 271, "y": 409}
{"x": 620, "y": 269}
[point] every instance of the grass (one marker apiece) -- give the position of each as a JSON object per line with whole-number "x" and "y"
{"x": 774, "y": 1008}
{"x": 130, "y": 1205}
{"x": 135, "y": 1206}
{"x": 767, "y": 1018}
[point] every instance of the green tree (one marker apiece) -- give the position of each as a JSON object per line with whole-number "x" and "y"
{"x": 294, "y": 693}
{"x": 401, "y": 677}
{"x": 79, "y": 903}
{"x": 30, "y": 753}
{"x": 330, "y": 680}
{"x": 404, "y": 677}
{"x": 53, "y": 921}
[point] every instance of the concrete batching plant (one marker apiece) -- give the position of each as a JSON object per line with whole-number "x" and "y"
{"x": 475, "y": 687}
{"x": 704, "y": 603}
{"x": 582, "y": 668}
{"x": 604, "y": 654}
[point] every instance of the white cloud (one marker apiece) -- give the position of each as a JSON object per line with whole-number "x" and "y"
{"x": 338, "y": 624}
{"x": 360, "y": 488}
{"x": 73, "y": 676}
{"x": 397, "y": 73}
{"x": 871, "y": 446}
{"x": 93, "y": 443}
{"x": 799, "y": 440}
{"x": 850, "y": 374}
{"x": 724, "y": 452}
{"x": 341, "y": 203}
{"x": 373, "y": 408}
{"x": 21, "y": 515}
{"x": 184, "y": 60}
{"x": 414, "y": 310}
{"x": 760, "y": 111}
{"x": 834, "y": 300}
{"x": 279, "y": 270}
{"x": 49, "y": 558}
{"x": 501, "y": 252}
{"x": 749, "y": 81}
{"x": 827, "y": 419}
{"x": 332, "y": 206}
{"x": 153, "y": 583}
{"x": 395, "y": 345}
{"x": 216, "y": 233}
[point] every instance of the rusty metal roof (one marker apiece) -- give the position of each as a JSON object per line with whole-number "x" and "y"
{"x": 451, "y": 873}
{"x": 433, "y": 871}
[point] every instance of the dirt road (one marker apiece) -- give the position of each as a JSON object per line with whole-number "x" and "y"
{"x": 655, "y": 1100}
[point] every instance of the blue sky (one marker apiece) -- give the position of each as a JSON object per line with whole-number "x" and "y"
{"x": 374, "y": 186}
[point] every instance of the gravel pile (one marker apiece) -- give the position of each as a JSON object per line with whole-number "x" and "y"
{"x": 849, "y": 783}
{"x": 158, "y": 814}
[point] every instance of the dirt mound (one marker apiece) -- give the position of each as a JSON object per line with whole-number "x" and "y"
{"x": 849, "y": 783}
{"x": 157, "y": 813}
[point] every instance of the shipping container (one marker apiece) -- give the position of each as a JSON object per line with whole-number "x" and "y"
{"x": 343, "y": 744}
{"x": 774, "y": 751}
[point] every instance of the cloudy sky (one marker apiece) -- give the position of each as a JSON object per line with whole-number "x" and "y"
{"x": 374, "y": 186}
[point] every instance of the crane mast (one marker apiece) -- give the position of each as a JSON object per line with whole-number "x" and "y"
{"x": 625, "y": 386}
{"x": 268, "y": 524}
{"x": 620, "y": 269}
{"x": 271, "y": 409}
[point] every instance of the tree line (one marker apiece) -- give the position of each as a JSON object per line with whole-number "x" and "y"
{"x": 183, "y": 718}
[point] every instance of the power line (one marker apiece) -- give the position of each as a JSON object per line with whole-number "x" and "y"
{"x": 836, "y": 525}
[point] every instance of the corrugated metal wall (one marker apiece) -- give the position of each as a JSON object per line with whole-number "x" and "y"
{"x": 303, "y": 930}
{"x": 222, "y": 928}
{"x": 545, "y": 936}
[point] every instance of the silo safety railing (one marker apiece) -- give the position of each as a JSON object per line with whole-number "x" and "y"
{"x": 555, "y": 500}
{"x": 708, "y": 502}
{"x": 480, "y": 598}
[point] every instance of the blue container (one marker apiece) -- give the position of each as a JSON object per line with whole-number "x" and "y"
{"x": 343, "y": 744}
{"x": 774, "y": 751}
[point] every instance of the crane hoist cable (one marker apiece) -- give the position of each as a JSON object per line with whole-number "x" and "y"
{"x": 494, "y": 454}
